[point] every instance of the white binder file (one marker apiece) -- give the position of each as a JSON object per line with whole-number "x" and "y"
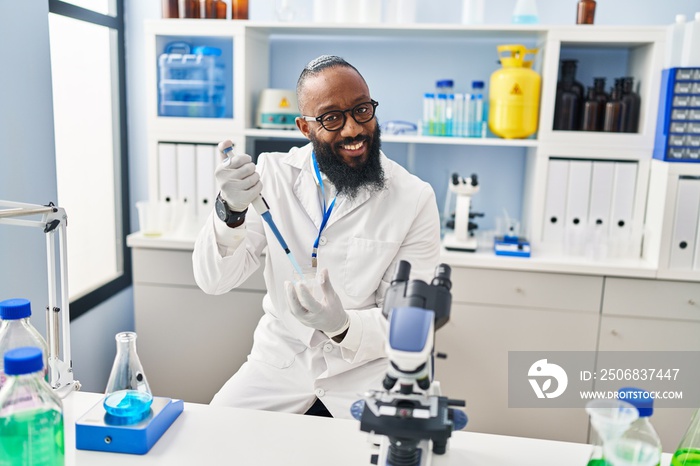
{"x": 167, "y": 172}
{"x": 206, "y": 186}
{"x": 696, "y": 264}
{"x": 578, "y": 194}
{"x": 622, "y": 208}
{"x": 685, "y": 224}
{"x": 601, "y": 194}
{"x": 186, "y": 166}
{"x": 555, "y": 201}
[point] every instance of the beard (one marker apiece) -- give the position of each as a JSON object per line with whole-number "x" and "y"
{"x": 348, "y": 180}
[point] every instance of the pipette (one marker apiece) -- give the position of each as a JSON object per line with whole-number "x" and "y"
{"x": 261, "y": 207}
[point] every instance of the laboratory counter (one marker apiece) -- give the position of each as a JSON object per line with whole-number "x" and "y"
{"x": 211, "y": 435}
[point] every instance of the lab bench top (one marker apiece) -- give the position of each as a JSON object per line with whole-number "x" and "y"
{"x": 539, "y": 262}
{"x": 212, "y": 435}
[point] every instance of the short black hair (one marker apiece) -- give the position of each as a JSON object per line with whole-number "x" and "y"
{"x": 317, "y": 65}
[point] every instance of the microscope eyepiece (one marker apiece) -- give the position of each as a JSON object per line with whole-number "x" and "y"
{"x": 442, "y": 276}
{"x": 403, "y": 271}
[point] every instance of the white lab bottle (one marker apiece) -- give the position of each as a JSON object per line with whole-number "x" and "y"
{"x": 400, "y": 11}
{"x": 370, "y": 11}
{"x": 677, "y": 39}
{"x": 640, "y": 442}
{"x": 324, "y": 11}
{"x": 16, "y": 331}
{"x": 473, "y": 12}
{"x": 690, "y": 56}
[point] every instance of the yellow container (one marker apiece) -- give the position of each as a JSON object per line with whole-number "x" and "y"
{"x": 514, "y": 94}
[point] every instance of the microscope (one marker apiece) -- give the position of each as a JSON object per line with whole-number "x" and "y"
{"x": 462, "y": 239}
{"x": 414, "y": 420}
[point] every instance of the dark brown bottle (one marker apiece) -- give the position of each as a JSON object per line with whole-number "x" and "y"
{"x": 171, "y": 9}
{"x": 602, "y": 97}
{"x": 590, "y": 117}
{"x": 239, "y": 9}
{"x": 585, "y": 13}
{"x": 220, "y": 9}
{"x": 630, "y": 103}
{"x": 612, "y": 111}
{"x": 567, "y": 106}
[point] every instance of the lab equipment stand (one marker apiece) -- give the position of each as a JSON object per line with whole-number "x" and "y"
{"x": 53, "y": 219}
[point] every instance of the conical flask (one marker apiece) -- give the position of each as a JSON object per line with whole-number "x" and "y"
{"x": 688, "y": 451}
{"x": 128, "y": 395}
{"x": 127, "y": 371}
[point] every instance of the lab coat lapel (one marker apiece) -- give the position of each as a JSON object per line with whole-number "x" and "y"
{"x": 344, "y": 205}
{"x": 305, "y": 188}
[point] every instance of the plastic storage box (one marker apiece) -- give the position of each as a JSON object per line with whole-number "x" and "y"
{"x": 191, "y": 84}
{"x": 678, "y": 124}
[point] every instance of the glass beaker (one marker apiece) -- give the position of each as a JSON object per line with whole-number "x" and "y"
{"x": 610, "y": 419}
{"x": 128, "y": 396}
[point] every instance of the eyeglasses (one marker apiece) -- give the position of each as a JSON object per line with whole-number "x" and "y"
{"x": 335, "y": 119}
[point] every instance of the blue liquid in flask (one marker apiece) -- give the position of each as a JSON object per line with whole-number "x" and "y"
{"x": 128, "y": 406}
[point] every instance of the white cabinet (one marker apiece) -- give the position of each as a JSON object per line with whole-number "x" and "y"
{"x": 495, "y": 312}
{"x": 653, "y": 315}
{"x": 190, "y": 343}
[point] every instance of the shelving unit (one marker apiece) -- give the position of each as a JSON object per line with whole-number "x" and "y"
{"x": 496, "y": 296}
{"x": 636, "y": 51}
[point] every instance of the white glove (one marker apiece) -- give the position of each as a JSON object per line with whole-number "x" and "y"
{"x": 325, "y": 314}
{"x": 237, "y": 179}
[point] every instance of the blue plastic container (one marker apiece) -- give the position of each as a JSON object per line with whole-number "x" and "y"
{"x": 191, "y": 83}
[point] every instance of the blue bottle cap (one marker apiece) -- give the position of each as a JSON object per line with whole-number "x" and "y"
{"x": 639, "y": 398}
{"x": 429, "y": 95}
{"x": 16, "y": 308}
{"x": 24, "y": 360}
{"x": 478, "y": 84}
{"x": 203, "y": 50}
{"x": 445, "y": 83}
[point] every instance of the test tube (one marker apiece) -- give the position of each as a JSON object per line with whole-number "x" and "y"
{"x": 440, "y": 114}
{"x": 428, "y": 113}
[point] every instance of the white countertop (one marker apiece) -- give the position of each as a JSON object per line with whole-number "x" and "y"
{"x": 209, "y": 435}
{"x": 539, "y": 262}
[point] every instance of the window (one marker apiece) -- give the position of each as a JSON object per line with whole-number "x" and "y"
{"x": 87, "y": 68}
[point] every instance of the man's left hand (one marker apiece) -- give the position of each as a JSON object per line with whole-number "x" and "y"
{"x": 324, "y": 313}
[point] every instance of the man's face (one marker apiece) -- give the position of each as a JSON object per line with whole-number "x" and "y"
{"x": 338, "y": 88}
{"x": 350, "y": 156}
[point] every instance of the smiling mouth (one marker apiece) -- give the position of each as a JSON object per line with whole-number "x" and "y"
{"x": 356, "y": 146}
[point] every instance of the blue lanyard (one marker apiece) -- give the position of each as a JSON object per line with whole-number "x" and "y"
{"x": 326, "y": 212}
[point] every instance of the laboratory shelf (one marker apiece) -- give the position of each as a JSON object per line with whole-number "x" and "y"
{"x": 416, "y": 139}
{"x": 408, "y": 139}
{"x": 139, "y": 240}
{"x": 553, "y": 263}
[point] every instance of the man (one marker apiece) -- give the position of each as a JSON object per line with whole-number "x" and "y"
{"x": 345, "y": 211}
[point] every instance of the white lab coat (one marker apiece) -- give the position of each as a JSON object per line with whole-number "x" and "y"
{"x": 291, "y": 364}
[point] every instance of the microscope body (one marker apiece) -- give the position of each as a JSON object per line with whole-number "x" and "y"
{"x": 414, "y": 420}
{"x": 463, "y": 238}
